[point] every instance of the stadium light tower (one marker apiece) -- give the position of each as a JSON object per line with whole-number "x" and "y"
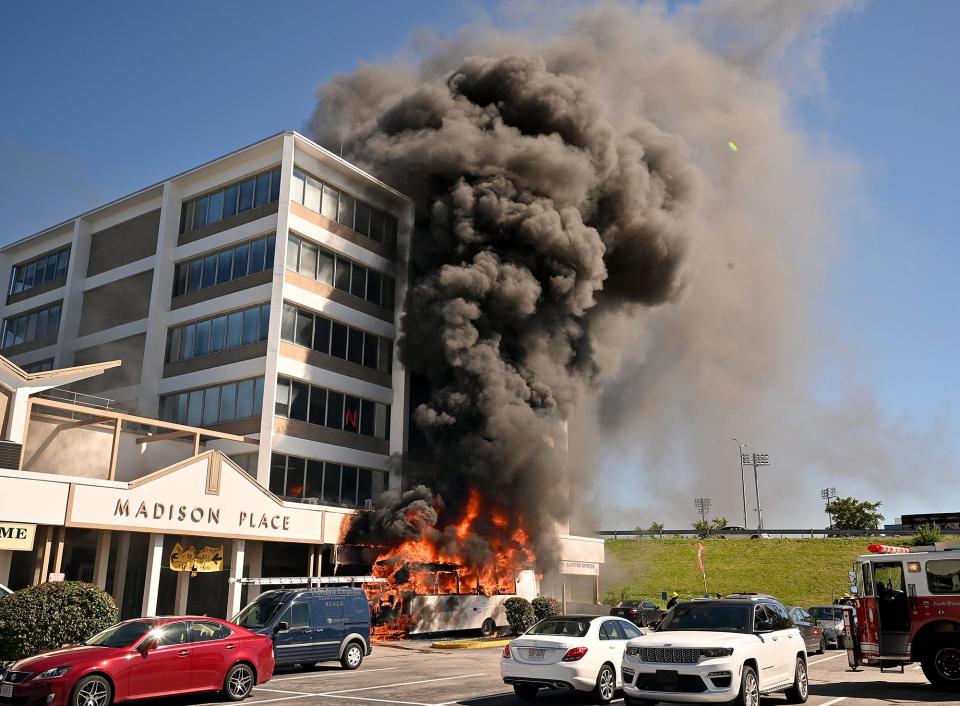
{"x": 829, "y": 494}
{"x": 743, "y": 485}
{"x": 703, "y": 507}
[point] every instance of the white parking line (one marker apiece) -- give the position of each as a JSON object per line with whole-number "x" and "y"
{"x": 331, "y": 673}
{"x": 834, "y": 701}
{"x": 379, "y": 701}
{"x": 476, "y": 698}
{"x": 827, "y": 659}
{"x": 406, "y": 683}
{"x": 268, "y": 701}
{"x": 284, "y": 691}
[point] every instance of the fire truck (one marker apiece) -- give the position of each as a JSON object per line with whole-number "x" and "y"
{"x": 908, "y": 610}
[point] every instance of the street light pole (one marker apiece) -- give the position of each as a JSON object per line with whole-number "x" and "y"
{"x": 828, "y": 494}
{"x": 743, "y": 485}
{"x": 756, "y": 482}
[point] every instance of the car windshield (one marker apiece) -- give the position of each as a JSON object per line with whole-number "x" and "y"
{"x": 712, "y": 617}
{"x": 259, "y": 613}
{"x": 826, "y": 613}
{"x": 121, "y": 635}
{"x": 629, "y": 604}
{"x": 560, "y": 626}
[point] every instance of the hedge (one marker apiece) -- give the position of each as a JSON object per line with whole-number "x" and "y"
{"x": 544, "y": 607}
{"x": 520, "y": 614}
{"x": 48, "y": 616}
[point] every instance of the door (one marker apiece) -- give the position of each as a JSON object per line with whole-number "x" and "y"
{"x": 295, "y": 644}
{"x": 613, "y": 641}
{"x": 212, "y": 654}
{"x": 769, "y": 657}
{"x": 788, "y": 640}
{"x": 805, "y": 626}
{"x": 165, "y": 669}
{"x": 329, "y": 626}
{"x": 893, "y": 611}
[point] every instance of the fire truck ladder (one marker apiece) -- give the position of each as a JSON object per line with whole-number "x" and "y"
{"x": 309, "y": 581}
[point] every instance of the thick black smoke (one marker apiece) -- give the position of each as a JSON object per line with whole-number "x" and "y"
{"x": 538, "y": 204}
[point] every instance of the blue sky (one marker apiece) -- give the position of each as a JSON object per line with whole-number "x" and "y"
{"x": 105, "y": 98}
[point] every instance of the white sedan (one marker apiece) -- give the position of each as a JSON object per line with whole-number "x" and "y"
{"x": 571, "y": 652}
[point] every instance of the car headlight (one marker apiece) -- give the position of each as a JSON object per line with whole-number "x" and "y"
{"x": 711, "y": 652}
{"x": 633, "y": 650}
{"x": 53, "y": 673}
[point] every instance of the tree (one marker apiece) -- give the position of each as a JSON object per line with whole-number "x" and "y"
{"x": 927, "y": 535}
{"x": 719, "y": 523}
{"x": 702, "y": 527}
{"x": 656, "y": 527}
{"x": 853, "y": 514}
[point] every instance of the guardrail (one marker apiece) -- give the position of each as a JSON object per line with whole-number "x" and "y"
{"x": 637, "y": 534}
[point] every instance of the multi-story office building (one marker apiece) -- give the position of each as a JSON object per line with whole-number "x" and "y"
{"x": 255, "y": 295}
{"x": 253, "y": 305}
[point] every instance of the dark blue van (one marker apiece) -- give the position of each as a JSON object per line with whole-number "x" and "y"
{"x": 310, "y": 625}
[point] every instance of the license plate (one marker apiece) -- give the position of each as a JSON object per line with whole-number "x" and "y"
{"x": 667, "y": 677}
{"x": 6, "y": 690}
{"x": 535, "y": 653}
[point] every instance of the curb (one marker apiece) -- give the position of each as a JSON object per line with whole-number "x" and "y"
{"x": 469, "y": 644}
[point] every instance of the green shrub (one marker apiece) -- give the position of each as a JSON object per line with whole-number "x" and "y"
{"x": 50, "y": 615}
{"x": 520, "y": 614}
{"x": 546, "y": 608}
{"x": 927, "y": 535}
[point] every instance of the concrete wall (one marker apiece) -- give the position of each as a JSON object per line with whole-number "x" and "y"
{"x": 116, "y": 303}
{"x": 124, "y": 243}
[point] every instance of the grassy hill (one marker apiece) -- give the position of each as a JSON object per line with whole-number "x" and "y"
{"x": 797, "y": 571}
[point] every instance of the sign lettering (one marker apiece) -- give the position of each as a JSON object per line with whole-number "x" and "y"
{"x": 16, "y": 536}
{"x": 196, "y": 515}
{"x": 350, "y": 418}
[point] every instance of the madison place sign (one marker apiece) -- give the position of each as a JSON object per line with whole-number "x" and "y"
{"x": 201, "y": 515}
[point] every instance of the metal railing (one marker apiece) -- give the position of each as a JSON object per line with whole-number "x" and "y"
{"x": 78, "y": 398}
{"x": 826, "y": 532}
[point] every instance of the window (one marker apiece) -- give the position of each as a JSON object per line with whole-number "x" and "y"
{"x": 310, "y": 330}
{"x": 610, "y": 630}
{"x": 781, "y": 621}
{"x": 317, "y": 405}
{"x": 297, "y": 616}
{"x": 324, "y": 482}
{"x": 207, "y": 630}
{"x": 230, "y": 200}
{"x": 223, "y": 265}
{"x": 214, "y": 404}
{"x": 311, "y": 260}
{"x": 173, "y": 634}
{"x": 31, "y": 326}
{"x": 39, "y": 367}
{"x": 343, "y": 208}
{"x": 41, "y": 270}
{"x": 943, "y": 575}
{"x": 221, "y": 332}
{"x": 630, "y": 630}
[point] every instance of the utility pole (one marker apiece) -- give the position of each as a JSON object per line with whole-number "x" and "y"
{"x": 757, "y": 460}
{"x": 743, "y": 485}
{"x": 828, "y": 494}
{"x": 703, "y": 507}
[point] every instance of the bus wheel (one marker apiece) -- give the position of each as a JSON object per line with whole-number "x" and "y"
{"x": 941, "y": 666}
{"x": 488, "y": 627}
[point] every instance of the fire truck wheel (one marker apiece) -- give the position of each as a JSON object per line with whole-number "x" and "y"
{"x": 749, "y": 689}
{"x": 527, "y": 692}
{"x": 488, "y": 627}
{"x": 352, "y": 656}
{"x": 941, "y": 666}
{"x": 797, "y": 694}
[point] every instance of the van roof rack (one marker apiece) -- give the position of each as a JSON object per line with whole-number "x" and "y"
{"x": 309, "y": 581}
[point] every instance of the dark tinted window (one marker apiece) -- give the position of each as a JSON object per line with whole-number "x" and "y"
{"x": 174, "y": 634}
{"x": 259, "y": 613}
{"x": 630, "y": 630}
{"x": 711, "y": 616}
{"x": 297, "y": 616}
{"x": 943, "y": 575}
{"x": 560, "y": 626}
{"x": 206, "y": 630}
{"x": 121, "y": 635}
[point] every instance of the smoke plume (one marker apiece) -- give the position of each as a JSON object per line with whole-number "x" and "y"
{"x": 591, "y": 198}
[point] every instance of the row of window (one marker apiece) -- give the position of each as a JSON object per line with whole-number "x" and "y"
{"x": 336, "y": 410}
{"x": 218, "y": 333}
{"x": 304, "y": 328}
{"x": 40, "y": 366}
{"x": 224, "y": 265}
{"x": 230, "y": 200}
{"x": 45, "y": 268}
{"x": 343, "y": 208}
{"x": 337, "y": 271}
{"x": 215, "y": 404}
{"x": 325, "y": 482}
{"x": 31, "y": 326}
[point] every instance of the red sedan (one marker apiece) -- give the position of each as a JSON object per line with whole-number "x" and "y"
{"x": 144, "y": 658}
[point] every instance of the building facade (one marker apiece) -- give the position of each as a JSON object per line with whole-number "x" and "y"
{"x": 252, "y": 304}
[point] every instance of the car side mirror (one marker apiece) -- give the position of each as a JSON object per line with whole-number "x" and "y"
{"x": 654, "y": 625}
{"x": 282, "y": 626}
{"x": 150, "y": 643}
{"x": 763, "y": 627}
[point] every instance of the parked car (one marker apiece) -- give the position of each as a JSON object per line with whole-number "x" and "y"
{"x": 830, "y": 619}
{"x": 310, "y": 625}
{"x": 641, "y": 613}
{"x": 812, "y": 633}
{"x": 718, "y": 650}
{"x": 570, "y": 652}
{"x": 147, "y": 657}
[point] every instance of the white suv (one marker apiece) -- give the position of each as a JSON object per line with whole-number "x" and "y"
{"x": 712, "y": 651}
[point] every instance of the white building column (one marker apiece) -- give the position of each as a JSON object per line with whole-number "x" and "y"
{"x": 102, "y": 561}
{"x": 254, "y": 567}
{"x": 151, "y": 582}
{"x": 183, "y": 591}
{"x": 235, "y": 590}
{"x": 6, "y": 558}
{"x": 120, "y": 570}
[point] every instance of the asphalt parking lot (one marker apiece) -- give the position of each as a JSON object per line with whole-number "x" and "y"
{"x": 413, "y": 674}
